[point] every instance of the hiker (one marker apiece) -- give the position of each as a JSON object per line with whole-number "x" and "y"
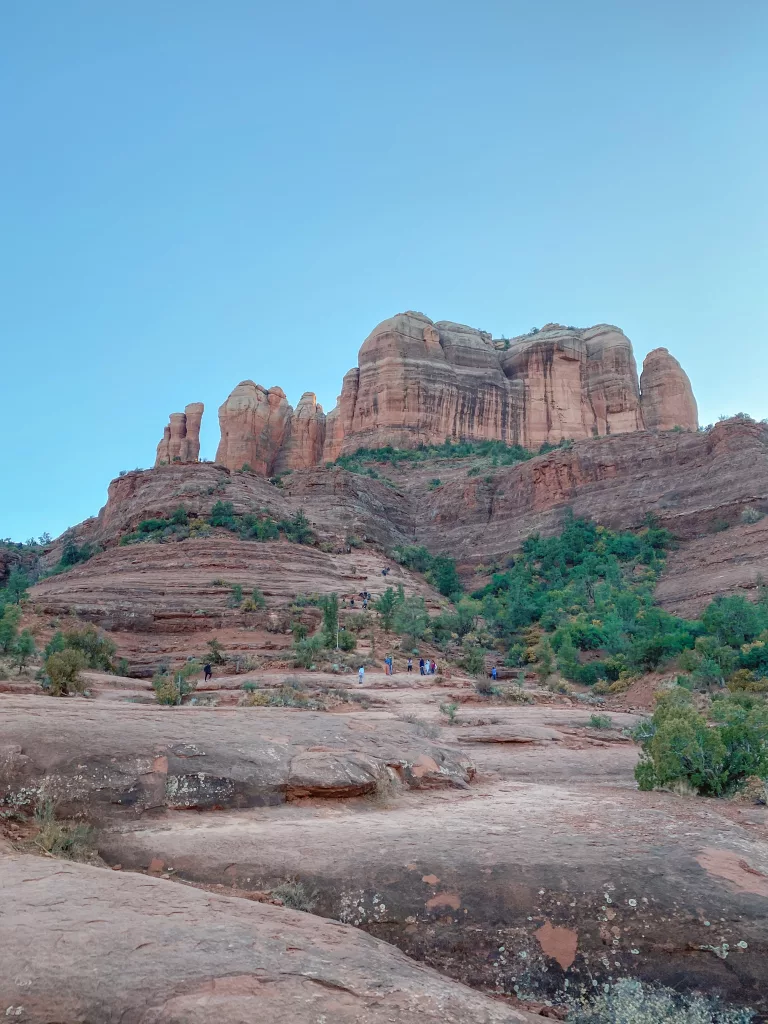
{"x": 433, "y": 667}
{"x": 493, "y": 673}
{"x": 365, "y": 604}
{"x": 391, "y": 661}
{"x": 361, "y": 674}
{"x": 352, "y": 603}
{"x": 386, "y": 666}
{"x": 421, "y": 667}
{"x": 410, "y": 664}
{"x": 207, "y": 673}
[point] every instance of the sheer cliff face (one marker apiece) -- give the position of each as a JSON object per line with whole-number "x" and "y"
{"x": 667, "y": 400}
{"x": 422, "y": 382}
{"x": 181, "y": 438}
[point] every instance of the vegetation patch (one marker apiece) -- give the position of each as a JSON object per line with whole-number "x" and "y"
{"x": 259, "y": 526}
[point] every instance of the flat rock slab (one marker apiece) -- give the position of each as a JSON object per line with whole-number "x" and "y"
{"x": 147, "y": 951}
{"x": 96, "y": 758}
{"x": 509, "y": 734}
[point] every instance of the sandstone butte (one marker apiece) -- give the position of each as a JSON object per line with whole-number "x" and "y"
{"x": 419, "y": 382}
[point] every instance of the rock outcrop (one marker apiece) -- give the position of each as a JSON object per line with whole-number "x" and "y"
{"x": 255, "y": 424}
{"x": 667, "y": 397}
{"x": 303, "y": 447}
{"x": 181, "y": 438}
{"x": 234, "y": 757}
{"x": 261, "y": 431}
{"x": 422, "y": 382}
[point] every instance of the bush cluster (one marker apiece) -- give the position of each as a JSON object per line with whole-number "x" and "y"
{"x": 248, "y": 526}
{"x": 499, "y": 454}
{"x": 628, "y": 1001}
{"x": 440, "y": 570}
{"x": 680, "y": 745}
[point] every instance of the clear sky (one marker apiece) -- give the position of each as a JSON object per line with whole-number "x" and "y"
{"x": 196, "y": 193}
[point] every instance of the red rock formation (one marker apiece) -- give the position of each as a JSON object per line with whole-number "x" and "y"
{"x": 420, "y": 382}
{"x": 255, "y": 424}
{"x": 181, "y": 438}
{"x": 666, "y": 394}
{"x": 575, "y": 383}
{"x": 303, "y": 448}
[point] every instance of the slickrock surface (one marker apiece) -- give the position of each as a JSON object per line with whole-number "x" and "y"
{"x": 95, "y": 758}
{"x": 667, "y": 396}
{"x": 550, "y": 867}
{"x": 152, "y": 952}
{"x": 181, "y": 438}
{"x": 337, "y": 502}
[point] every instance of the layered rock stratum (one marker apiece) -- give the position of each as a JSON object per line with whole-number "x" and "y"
{"x": 420, "y": 382}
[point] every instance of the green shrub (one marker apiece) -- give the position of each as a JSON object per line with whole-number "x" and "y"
{"x": 600, "y": 722}
{"x": 9, "y": 627}
{"x": 307, "y": 651}
{"x": 681, "y": 746}
{"x": 295, "y": 895}
{"x": 386, "y": 606}
{"x": 298, "y": 529}
{"x": 97, "y": 648}
{"x": 347, "y": 640}
{"x": 473, "y": 658}
{"x": 215, "y": 654}
{"x": 223, "y": 514}
{"x": 172, "y": 687}
{"x": 450, "y": 710}
{"x": 15, "y": 590}
{"x": 411, "y": 619}
{"x": 62, "y": 670}
{"x": 71, "y": 555}
{"x": 62, "y": 839}
{"x": 235, "y": 598}
{"x": 751, "y": 515}
{"x": 439, "y": 569}
{"x": 628, "y": 1001}
{"x": 24, "y": 648}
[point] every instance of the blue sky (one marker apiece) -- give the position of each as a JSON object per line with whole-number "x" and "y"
{"x": 192, "y": 194}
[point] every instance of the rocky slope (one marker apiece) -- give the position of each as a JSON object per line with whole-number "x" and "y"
{"x": 422, "y": 382}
